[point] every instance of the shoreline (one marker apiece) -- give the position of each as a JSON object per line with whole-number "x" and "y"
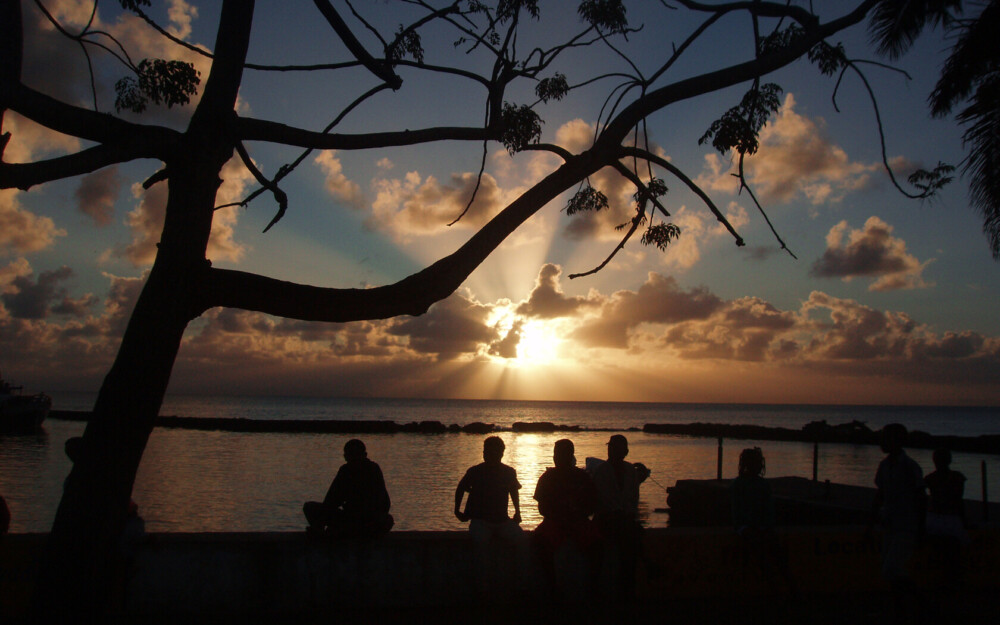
{"x": 855, "y": 432}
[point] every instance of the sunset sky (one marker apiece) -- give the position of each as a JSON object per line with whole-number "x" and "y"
{"x": 890, "y": 300}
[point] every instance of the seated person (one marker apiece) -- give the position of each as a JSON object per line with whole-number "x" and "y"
{"x": 489, "y": 484}
{"x": 357, "y": 503}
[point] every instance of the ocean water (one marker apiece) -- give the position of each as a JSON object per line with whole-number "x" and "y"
{"x": 192, "y": 481}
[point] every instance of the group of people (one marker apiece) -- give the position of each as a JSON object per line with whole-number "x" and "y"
{"x": 579, "y": 508}
{"x": 593, "y": 509}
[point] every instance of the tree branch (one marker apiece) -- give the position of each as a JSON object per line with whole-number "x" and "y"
{"x": 25, "y": 175}
{"x": 380, "y": 68}
{"x": 680, "y": 175}
{"x": 249, "y": 129}
{"x": 157, "y": 141}
{"x": 412, "y": 295}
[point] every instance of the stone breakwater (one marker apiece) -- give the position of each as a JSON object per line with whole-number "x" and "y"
{"x": 854, "y": 432}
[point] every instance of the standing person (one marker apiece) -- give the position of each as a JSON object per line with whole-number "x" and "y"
{"x": 566, "y": 499}
{"x": 946, "y": 518}
{"x": 489, "y": 485}
{"x": 617, "y": 483}
{"x": 357, "y": 502}
{"x": 900, "y": 504}
{"x": 754, "y": 519}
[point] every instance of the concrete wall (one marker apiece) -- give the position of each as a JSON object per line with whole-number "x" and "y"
{"x": 287, "y": 573}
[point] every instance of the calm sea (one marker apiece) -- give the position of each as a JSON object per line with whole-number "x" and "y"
{"x": 194, "y": 481}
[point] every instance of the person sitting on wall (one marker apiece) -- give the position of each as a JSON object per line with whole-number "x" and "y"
{"x": 357, "y": 502}
{"x": 946, "y": 521}
{"x": 489, "y": 484}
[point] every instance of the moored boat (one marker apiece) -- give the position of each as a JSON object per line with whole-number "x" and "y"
{"x": 20, "y": 413}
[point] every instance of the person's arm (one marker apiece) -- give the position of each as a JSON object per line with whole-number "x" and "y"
{"x": 515, "y": 499}
{"x": 336, "y": 495}
{"x": 463, "y": 487}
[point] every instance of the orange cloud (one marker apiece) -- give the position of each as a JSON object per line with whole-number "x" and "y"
{"x": 795, "y": 159}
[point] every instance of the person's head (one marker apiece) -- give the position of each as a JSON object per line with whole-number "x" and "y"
{"x": 74, "y": 448}
{"x": 893, "y": 436}
{"x": 617, "y": 448}
{"x": 752, "y": 462}
{"x": 563, "y": 453}
{"x": 354, "y": 450}
{"x": 942, "y": 459}
{"x": 493, "y": 448}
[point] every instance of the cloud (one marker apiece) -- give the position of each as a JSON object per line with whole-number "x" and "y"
{"x": 416, "y": 206}
{"x": 97, "y": 193}
{"x": 21, "y": 230}
{"x": 795, "y": 159}
{"x": 337, "y": 184}
{"x": 456, "y": 325}
{"x": 659, "y": 300}
{"x": 547, "y": 300}
{"x": 870, "y": 252}
{"x": 147, "y": 218}
{"x": 27, "y": 299}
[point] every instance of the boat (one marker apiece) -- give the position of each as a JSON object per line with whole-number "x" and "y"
{"x": 20, "y": 413}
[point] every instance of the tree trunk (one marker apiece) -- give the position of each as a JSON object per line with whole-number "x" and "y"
{"x": 79, "y": 567}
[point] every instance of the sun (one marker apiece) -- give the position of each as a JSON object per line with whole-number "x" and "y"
{"x": 539, "y": 343}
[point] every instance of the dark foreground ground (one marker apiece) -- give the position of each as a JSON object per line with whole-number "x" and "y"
{"x": 858, "y": 609}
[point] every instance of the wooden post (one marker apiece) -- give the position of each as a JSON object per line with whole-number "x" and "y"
{"x": 986, "y": 499}
{"x": 719, "y": 467}
{"x": 816, "y": 461}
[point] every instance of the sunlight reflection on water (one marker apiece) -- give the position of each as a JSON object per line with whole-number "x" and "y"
{"x": 222, "y": 481}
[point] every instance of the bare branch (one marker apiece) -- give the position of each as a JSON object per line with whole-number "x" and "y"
{"x": 380, "y": 68}
{"x": 26, "y": 175}
{"x": 680, "y": 175}
{"x": 250, "y": 129}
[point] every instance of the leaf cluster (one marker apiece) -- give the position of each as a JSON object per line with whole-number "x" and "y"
{"x": 508, "y": 9}
{"x": 929, "y": 182}
{"x": 406, "y": 43}
{"x": 520, "y": 126}
{"x": 828, "y": 58}
{"x": 587, "y": 199}
{"x": 159, "y": 81}
{"x": 738, "y": 128}
{"x": 660, "y": 235}
{"x": 653, "y": 190}
{"x": 896, "y": 24}
{"x": 605, "y": 15}
{"x": 554, "y": 88}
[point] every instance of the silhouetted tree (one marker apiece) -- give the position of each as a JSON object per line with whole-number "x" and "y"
{"x": 182, "y": 284}
{"x": 971, "y": 75}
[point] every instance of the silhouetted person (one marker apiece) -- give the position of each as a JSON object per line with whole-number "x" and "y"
{"x": 4, "y": 518}
{"x": 489, "y": 485}
{"x": 357, "y": 503}
{"x": 753, "y": 506}
{"x": 900, "y": 506}
{"x": 946, "y": 518}
{"x": 566, "y": 499}
{"x": 753, "y": 517}
{"x": 617, "y": 483}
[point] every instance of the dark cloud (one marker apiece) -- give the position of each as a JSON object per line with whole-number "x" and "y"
{"x": 507, "y": 346}
{"x": 452, "y": 327}
{"x": 31, "y": 300}
{"x": 659, "y": 300}
{"x": 547, "y": 300}
{"x": 97, "y": 193}
{"x": 870, "y": 252}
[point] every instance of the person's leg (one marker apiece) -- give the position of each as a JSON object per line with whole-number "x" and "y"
{"x": 315, "y": 513}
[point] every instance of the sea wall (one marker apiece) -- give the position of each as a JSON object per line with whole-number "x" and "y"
{"x": 290, "y": 574}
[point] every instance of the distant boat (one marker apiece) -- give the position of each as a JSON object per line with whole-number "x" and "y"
{"x": 19, "y": 413}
